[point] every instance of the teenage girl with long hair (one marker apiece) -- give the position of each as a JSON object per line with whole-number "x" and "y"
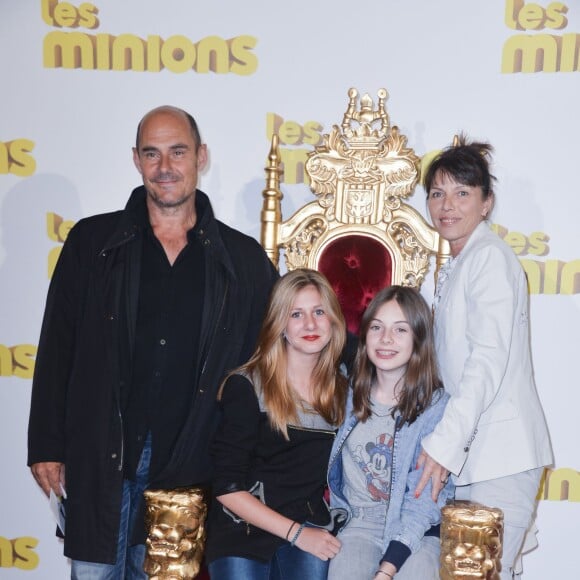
{"x": 281, "y": 411}
{"x": 397, "y": 399}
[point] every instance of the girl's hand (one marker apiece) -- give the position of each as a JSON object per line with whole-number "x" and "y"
{"x": 318, "y": 542}
{"x": 386, "y": 571}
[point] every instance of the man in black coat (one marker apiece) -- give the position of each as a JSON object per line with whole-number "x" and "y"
{"x": 147, "y": 310}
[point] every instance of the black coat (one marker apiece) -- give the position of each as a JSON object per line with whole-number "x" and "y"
{"x": 85, "y": 350}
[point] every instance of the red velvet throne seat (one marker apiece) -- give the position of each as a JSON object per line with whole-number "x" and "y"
{"x": 359, "y": 232}
{"x": 357, "y": 268}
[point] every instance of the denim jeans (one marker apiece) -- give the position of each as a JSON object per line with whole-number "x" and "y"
{"x": 362, "y": 550}
{"x": 288, "y": 563}
{"x": 129, "y": 563}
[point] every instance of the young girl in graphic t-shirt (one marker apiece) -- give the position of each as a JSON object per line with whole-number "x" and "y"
{"x": 397, "y": 398}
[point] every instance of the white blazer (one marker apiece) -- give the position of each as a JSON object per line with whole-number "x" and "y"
{"x": 493, "y": 425}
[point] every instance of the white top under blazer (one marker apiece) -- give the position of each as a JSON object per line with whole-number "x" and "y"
{"x": 493, "y": 425}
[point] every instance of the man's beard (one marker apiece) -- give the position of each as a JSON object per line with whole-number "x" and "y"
{"x": 169, "y": 204}
{"x": 160, "y": 179}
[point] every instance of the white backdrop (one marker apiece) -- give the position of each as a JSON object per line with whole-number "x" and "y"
{"x": 67, "y": 123}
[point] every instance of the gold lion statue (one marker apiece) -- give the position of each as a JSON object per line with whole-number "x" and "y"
{"x": 175, "y": 522}
{"x": 471, "y": 541}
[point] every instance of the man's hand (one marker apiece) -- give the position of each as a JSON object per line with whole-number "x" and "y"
{"x": 431, "y": 470}
{"x": 49, "y": 475}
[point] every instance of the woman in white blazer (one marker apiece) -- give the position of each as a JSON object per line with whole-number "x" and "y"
{"x": 493, "y": 436}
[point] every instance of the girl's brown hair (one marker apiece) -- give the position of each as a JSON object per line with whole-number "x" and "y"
{"x": 421, "y": 379}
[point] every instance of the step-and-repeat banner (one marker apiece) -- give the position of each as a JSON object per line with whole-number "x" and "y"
{"x": 76, "y": 78}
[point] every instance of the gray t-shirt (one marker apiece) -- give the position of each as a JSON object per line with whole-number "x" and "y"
{"x": 308, "y": 418}
{"x": 367, "y": 459}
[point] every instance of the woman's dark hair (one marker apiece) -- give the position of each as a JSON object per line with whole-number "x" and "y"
{"x": 421, "y": 379}
{"x": 467, "y": 163}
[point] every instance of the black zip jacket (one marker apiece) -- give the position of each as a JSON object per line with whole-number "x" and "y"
{"x": 88, "y": 329}
{"x": 289, "y": 476}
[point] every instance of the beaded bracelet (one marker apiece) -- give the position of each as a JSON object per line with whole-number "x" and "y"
{"x": 293, "y": 540}
{"x": 290, "y": 529}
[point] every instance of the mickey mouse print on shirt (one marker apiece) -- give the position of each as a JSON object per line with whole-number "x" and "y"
{"x": 376, "y": 462}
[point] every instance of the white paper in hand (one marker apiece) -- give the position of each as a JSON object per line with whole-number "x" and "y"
{"x": 57, "y": 509}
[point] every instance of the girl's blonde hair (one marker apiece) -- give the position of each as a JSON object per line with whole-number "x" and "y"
{"x": 267, "y": 368}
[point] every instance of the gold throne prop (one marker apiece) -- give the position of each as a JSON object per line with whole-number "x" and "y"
{"x": 175, "y": 520}
{"x": 359, "y": 231}
{"x": 471, "y": 541}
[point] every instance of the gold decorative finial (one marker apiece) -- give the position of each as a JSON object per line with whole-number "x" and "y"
{"x": 364, "y": 135}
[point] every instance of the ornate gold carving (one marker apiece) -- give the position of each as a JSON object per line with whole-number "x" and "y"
{"x": 471, "y": 541}
{"x": 415, "y": 255}
{"x": 298, "y": 249}
{"x": 365, "y": 117}
{"x": 324, "y": 177}
{"x": 361, "y": 175}
{"x": 359, "y": 203}
{"x": 360, "y": 171}
{"x": 175, "y": 521}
